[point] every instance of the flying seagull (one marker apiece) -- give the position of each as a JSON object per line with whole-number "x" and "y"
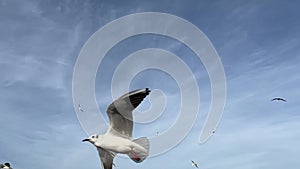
{"x": 194, "y": 164}
{"x": 80, "y": 108}
{"x": 5, "y": 166}
{"x": 278, "y": 99}
{"x": 118, "y": 138}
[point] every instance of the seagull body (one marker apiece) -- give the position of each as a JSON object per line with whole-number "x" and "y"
{"x": 117, "y": 144}
{"x": 118, "y": 138}
{"x": 194, "y": 164}
{"x": 278, "y": 99}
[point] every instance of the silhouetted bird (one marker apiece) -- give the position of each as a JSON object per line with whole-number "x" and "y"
{"x": 278, "y": 99}
{"x": 194, "y": 164}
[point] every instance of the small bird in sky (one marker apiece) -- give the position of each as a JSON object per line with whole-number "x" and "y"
{"x": 80, "y": 108}
{"x": 5, "y": 166}
{"x": 278, "y": 99}
{"x": 194, "y": 164}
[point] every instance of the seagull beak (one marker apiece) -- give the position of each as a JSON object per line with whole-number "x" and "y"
{"x": 85, "y": 140}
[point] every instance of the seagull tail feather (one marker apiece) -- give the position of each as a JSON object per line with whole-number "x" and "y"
{"x": 139, "y": 155}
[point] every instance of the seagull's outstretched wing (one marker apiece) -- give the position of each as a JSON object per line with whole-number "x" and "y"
{"x": 195, "y": 164}
{"x": 120, "y": 112}
{"x": 106, "y": 157}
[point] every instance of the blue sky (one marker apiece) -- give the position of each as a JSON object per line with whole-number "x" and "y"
{"x": 258, "y": 43}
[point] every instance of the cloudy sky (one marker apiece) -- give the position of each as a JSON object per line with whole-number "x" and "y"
{"x": 258, "y": 44}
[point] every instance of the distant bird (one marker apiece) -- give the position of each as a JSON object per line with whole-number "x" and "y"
{"x": 5, "y": 166}
{"x": 118, "y": 138}
{"x": 194, "y": 164}
{"x": 80, "y": 108}
{"x": 278, "y": 99}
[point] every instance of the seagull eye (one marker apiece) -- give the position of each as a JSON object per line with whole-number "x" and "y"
{"x": 93, "y": 136}
{"x": 97, "y": 136}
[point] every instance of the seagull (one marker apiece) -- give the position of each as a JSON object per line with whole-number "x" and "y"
{"x": 118, "y": 138}
{"x": 5, "y": 166}
{"x": 278, "y": 99}
{"x": 194, "y": 164}
{"x": 80, "y": 108}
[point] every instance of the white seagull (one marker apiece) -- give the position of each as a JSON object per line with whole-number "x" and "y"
{"x": 5, "y": 166}
{"x": 118, "y": 138}
{"x": 80, "y": 108}
{"x": 194, "y": 164}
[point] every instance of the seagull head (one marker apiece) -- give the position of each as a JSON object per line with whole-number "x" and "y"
{"x": 92, "y": 139}
{"x": 5, "y": 166}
